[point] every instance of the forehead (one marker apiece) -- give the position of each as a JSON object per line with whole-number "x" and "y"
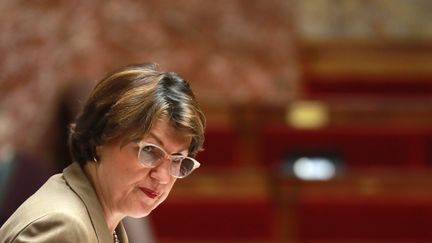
{"x": 163, "y": 133}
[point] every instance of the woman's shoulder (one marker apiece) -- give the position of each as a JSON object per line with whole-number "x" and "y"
{"x": 55, "y": 226}
{"x": 55, "y": 196}
{"x": 55, "y": 207}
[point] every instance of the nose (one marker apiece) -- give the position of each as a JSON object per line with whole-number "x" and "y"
{"x": 161, "y": 172}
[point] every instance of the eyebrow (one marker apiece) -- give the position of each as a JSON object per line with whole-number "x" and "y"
{"x": 159, "y": 141}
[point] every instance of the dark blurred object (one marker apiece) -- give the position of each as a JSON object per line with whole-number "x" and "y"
{"x": 23, "y": 175}
{"x": 69, "y": 105}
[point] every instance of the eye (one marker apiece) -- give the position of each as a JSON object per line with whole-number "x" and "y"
{"x": 149, "y": 154}
{"x": 153, "y": 151}
{"x": 147, "y": 149}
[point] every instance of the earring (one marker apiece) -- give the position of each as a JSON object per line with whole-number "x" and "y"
{"x": 94, "y": 159}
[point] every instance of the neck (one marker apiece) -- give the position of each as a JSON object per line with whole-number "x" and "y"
{"x": 112, "y": 218}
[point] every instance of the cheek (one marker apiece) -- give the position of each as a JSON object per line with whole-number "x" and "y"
{"x": 134, "y": 173}
{"x": 126, "y": 161}
{"x": 169, "y": 187}
{"x": 129, "y": 172}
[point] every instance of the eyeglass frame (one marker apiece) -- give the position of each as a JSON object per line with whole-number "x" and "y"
{"x": 168, "y": 156}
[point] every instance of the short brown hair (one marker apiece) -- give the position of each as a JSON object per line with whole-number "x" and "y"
{"x": 127, "y": 102}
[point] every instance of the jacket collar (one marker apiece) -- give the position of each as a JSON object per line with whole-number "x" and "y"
{"x": 80, "y": 184}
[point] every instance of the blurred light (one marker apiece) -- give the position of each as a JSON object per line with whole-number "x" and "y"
{"x": 307, "y": 114}
{"x": 314, "y": 168}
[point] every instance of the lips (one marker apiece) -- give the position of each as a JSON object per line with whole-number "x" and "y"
{"x": 150, "y": 193}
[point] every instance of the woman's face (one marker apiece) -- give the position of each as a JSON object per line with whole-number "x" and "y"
{"x": 127, "y": 186}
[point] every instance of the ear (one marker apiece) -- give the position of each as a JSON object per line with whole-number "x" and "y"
{"x": 96, "y": 157}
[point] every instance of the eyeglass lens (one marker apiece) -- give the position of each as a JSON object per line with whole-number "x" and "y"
{"x": 180, "y": 166}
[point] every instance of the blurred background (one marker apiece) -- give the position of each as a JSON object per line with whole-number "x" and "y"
{"x": 319, "y": 111}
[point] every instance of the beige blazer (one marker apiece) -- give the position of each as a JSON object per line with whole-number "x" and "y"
{"x": 65, "y": 209}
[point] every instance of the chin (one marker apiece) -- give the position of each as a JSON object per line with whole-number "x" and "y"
{"x": 139, "y": 211}
{"x": 139, "y": 214}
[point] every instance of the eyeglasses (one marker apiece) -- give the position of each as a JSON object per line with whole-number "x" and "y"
{"x": 151, "y": 155}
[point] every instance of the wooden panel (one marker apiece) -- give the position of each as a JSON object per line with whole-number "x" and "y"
{"x": 220, "y": 206}
{"x": 358, "y": 147}
{"x": 385, "y": 206}
{"x": 368, "y": 68}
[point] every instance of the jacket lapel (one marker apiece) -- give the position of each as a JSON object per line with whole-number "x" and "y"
{"x": 121, "y": 233}
{"x": 78, "y": 181}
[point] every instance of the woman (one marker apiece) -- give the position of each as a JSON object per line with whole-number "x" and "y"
{"x": 137, "y": 134}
